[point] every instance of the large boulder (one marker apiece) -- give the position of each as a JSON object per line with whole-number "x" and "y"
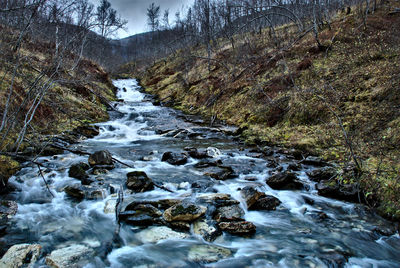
{"x": 174, "y": 158}
{"x": 101, "y": 158}
{"x": 185, "y": 211}
{"x": 319, "y": 174}
{"x": 22, "y": 255}
{"x": 73, "y": 256}
{"x": 256, "y": 200}
{"x": 88, "y": 131}
{"x": 139, "y": 182}
{"x": 238, "y": 227}
{"x": 284, "y": 181}
{"x": 332, "y": 189}
{"x": 229, "y": 213}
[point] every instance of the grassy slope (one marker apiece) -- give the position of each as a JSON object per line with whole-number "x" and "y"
{"x": 77, "y": 98}
{"x": 295, "y": 97}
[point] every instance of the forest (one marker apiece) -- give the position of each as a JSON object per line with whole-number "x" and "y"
{"x": 239, "y": 133}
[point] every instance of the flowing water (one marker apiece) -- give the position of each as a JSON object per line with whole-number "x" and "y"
{"x": 291, "y": 236}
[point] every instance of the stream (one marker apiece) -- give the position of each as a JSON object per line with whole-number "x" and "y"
{"x": 305, "y": 230}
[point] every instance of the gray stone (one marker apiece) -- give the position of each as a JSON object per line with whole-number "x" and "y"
{"x": 158, "y": 233}
{"x": 238, "y": 227}
{"x": 73, "y": 256}
{"x": 22, "y": 255}
{"x": 229, "y": 213}
{"x": 207, "y": 229}
{"x": 208, "y": 253}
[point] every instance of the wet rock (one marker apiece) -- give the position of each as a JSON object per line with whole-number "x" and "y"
{"x": 325, "y": 173}
{"x": 213, "y": 152}
{"x": 220, "y": 173}
{"x": 284, "y": 181}
{"x": 229, "y": 213}
{"x": 139, "y": 182}
{"x": 78, "y": 171}
{"x": 109, "y": 207}
{"x": 294, "y": 167}
{"x": 331, "y": 188}
{"x": 238, "y": 227}
{"x": 80, "y": 192}
{"x": 101, "y": 158}
{"x": 73, "y": 256}
{"x": 8, "y": 209}
{"x": 22, "y": 255}
{"x": 88, "y": 131}
{"x": 174, "y": 158}
{"x": 208, "y": 253}
{"x": 212, "y": 197}
{"x": 179, "y": 225}
{"x": 208, "y": 163}
{"x": 99, "y": 171}
{"x": 160, "y": 204}
{"x": 251, "y": 195}
{"x": 194, "y": 153}
{"x": 142, "y": 215}
{"x": 256, "y": 200}
{"x": 314, "y": 161}
{"x": 334, "y": 259}
{"x": 272, "y": 164}
{"x": 267, "y": 202}
{"x": 185, "y": 211}
{"x": 207, "y": 229}
{"x": 158, "y": 233}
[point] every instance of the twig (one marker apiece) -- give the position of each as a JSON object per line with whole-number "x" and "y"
{"x": 163, "y": 188}
{"x": 45, "y": 182}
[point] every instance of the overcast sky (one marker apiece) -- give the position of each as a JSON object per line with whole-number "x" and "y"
{"x": 135, "y": 12}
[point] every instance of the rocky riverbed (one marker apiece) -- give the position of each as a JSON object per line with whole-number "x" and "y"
{"x": 156, "y": 188}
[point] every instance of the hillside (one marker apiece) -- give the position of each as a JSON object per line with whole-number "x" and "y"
{"x": 338, "y": 100}
{"x": 73, "y": 92}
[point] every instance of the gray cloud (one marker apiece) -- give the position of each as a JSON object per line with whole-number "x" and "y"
{"x": 135, "y": 12}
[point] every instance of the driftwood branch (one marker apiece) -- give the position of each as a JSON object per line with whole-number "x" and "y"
{"x": 45, "y": 182}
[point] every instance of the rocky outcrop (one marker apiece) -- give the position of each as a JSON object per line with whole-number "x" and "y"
{"x": 22, "y": 255}
{"x": 139, "y": 182}
{"x": 174, "y": 158}
{"x": 185, "y": 211}
{"x": 73, "y": 256}
{"x": 284, "y": 181}
{"x": 101, "y": 158}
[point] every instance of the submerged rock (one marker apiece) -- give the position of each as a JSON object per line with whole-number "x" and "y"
{"x": 174, "y": 158}
{"x": 220, "y": 172}
{"x": 73, "y": 256}
{"x": 22, "y": 255}
{"x": 139, "y": 182}
{"x": 184, "y": 212}
{"x": 207, "y": 229}
{"x": 284, "y": 181}
{"x": 101, "y": 158}
{"x": 158, "y": 233}
{"x": 196, "y": 154}
{"x": 208, "y": 253}
{"x": 238, "y": 227}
